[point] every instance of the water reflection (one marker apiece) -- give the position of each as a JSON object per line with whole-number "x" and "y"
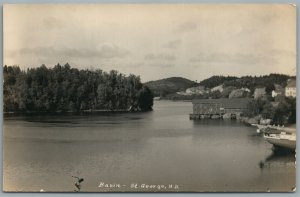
{"x": 159, "y": 147}
{"x": 279, "y": 158}
{"x": 217, "y": 122}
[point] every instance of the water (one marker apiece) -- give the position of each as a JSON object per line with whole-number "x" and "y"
{"x": 162, "y": 147}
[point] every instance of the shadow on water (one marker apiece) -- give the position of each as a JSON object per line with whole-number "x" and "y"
{"x": 53, "y": 121}
{"x": 61, "y": 119}
{"x": 279, "y": 157}
{"x": 217, "y": 122}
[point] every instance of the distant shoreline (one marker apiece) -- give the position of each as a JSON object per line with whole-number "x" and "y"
{"x": 104, "y": 111}
{"x": 69, "y": 112}
{"x": 163, "y": 99}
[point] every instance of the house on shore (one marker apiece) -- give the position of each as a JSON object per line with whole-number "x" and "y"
{"x": 219, "y": 88}
{"x": 195, "y": 90}
{"x": 259, "y": 92}
{"x": 278, "y": 91}
{"x": 218, "y": 108}
{"x": 290, "y": 89}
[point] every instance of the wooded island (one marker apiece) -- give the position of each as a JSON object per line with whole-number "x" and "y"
{"x": 66, "y": 89}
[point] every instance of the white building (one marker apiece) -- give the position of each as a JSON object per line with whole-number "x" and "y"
{"x": 279, "y": 90}
{"x": 218, "y": 88}
{"x": 275, "y": 93}
{"x": 290, "y": 89}
{"x": 195, "y": 90}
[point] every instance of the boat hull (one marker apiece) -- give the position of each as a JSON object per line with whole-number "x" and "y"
{"x": 283, "y": 143}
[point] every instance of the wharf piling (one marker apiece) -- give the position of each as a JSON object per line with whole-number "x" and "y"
{"x": 218, "y": 108}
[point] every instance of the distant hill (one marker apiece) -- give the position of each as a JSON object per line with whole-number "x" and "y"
{"x": 216, "y": 81}
{"x": 250, "y": 82}
{"x": 170, "y": 85}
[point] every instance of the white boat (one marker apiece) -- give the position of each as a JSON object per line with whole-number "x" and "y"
{"x": 282, "y": 137}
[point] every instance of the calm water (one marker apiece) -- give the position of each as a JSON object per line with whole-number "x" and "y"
{"x": 162, "y": 147}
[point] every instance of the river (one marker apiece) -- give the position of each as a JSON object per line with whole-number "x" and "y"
{"x": 159, "y": 151}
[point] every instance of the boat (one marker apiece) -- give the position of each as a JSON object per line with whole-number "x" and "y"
{"x": 280, "y": 137}
{"x": 260, "y": 128}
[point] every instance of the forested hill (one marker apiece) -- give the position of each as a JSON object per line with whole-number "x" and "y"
{"x": 168, "y": 88}
{"x": 170, "y": 85}
{"x": 216, "y": 80}
{"x": 63, "y": 88}
{"x": 250, "y": 82}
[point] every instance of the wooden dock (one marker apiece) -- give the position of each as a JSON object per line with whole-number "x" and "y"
{"x": 218, "y": 108}
{"x": 212, "y": 116}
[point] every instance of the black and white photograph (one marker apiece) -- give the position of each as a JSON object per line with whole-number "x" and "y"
{"x": 149, "y": 97}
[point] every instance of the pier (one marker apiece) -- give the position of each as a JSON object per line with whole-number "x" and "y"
{"x": 218, "y": 108}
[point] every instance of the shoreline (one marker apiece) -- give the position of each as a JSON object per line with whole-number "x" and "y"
{"x": 70, "y": 112}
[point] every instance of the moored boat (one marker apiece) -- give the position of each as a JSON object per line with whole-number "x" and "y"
{"x": 281, "y": 137}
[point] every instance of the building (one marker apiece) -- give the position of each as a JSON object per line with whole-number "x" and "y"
{"x": 246, "y": 89}
{"x": 211, "y": 107}
{"x": 239, "y": 93}
{"x": 217, "y": 88}
{"x": 290, "y": 89}
{"x": 278, "y": 91}
{"x": 275, "y": 93}
{"x": 259, "y": 92}
{"x": 195, "y": 90}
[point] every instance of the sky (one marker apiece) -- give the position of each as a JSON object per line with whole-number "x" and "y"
{"x": 154, "y": 41}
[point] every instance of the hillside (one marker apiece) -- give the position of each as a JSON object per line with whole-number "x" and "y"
{"x": 170, "y": 85}
{"x": 250, "y": 82}
{"x": 216, "y": 81}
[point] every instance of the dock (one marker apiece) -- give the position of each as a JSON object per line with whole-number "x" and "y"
{"x": 218, "y": 108}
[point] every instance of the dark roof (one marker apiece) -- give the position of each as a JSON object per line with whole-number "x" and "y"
{"x": 260, "y": 88}
{"x": 291, "y": 83}
{"x": 278, "y": 87}
{"x": 228, "y": 103}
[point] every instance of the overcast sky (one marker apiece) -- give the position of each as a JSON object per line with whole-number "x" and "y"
{"x": 154, "y": 41}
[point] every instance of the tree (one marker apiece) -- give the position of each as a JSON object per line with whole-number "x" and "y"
{"x": 292, "y": 117}
{"x": 268, "y": 111}
{"x": 282, "y": 113}
{"x": 145, "y": 99}
{"x": 255, "y": 107}
{"x": 63, "y": 88}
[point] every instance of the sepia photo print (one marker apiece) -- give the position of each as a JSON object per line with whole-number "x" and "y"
{"x": 149, "y": 98}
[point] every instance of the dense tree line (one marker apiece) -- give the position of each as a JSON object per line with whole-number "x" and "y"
{"x": 250, "y": 82}
{"x": 63, "y": 88}
{"x": 168, "y": 86}
{"x": 284, "y": 112}
{"x": 216, "y": 81}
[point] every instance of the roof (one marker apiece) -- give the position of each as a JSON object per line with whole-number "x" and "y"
{"x": 291, "y": 83}
{"x": 260, "y": 88}
{"x": 278, "y": 87}
{"x": 277, "y": 91}
{"x": 196, "y": 88}
{"x": 229, "y": 103}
